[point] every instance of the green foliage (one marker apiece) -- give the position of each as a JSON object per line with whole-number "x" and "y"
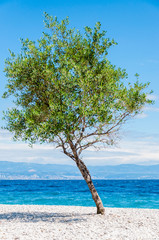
{"x": 64, "y": 85}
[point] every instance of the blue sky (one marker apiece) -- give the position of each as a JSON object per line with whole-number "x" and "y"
{"x": 134, "y": 25}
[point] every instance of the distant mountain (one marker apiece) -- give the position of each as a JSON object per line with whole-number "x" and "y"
{"x": 23, "y": 170}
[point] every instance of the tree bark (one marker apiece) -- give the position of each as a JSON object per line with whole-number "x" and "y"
{"x": 86, "y": 175}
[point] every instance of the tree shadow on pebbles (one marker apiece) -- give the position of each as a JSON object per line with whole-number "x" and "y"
{"x": 43, "y": 216}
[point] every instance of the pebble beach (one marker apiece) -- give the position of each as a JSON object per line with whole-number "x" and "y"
{"x": 42, "y": 222}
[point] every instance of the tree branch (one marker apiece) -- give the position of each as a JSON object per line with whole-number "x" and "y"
{"x": 81, "y": 134}
{"x": 64, "y": 149}
{"x": 96, "y": 133}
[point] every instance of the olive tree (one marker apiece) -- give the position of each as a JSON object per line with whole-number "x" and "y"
{"x": 69, "y": 94}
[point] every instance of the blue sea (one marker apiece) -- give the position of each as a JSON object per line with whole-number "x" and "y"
{"x": 114, "y": 193}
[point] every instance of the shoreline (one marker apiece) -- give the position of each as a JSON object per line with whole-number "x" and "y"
{"x": 72, "y": 206}
{"x": 54, "y": 222}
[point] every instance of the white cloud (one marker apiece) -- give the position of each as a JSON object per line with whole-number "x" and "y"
{"x": 151, "y": 109}
{"x": 135, "y": 147}
{"x": 141, "y": 116}
{"x": 22, "y": 146}
{"x": 5, "y": 135}
{"x": 152, "y": 97}
{"x": 139, "y": 148}
{"x": 7, "y": 143}
{"x": 156, "y": 61}
{"x": 21, "y": 152}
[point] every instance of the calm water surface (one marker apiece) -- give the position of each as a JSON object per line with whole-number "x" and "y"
{"x": 114, "y": 193}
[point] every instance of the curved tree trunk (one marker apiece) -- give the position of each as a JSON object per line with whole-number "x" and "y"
{"x": 86, "y": 175}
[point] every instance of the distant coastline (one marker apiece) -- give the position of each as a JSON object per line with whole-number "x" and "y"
{"x": 34, "y": 171}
